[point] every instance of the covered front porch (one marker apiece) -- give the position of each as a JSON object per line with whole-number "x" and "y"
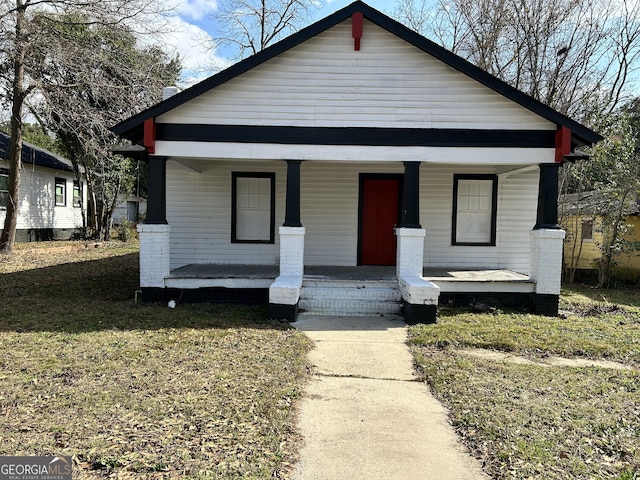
{"x": 414, "y": 286}
{"x": 340, "y": 290}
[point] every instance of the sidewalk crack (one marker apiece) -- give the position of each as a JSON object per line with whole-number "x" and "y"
{"x": 364, "y": 377}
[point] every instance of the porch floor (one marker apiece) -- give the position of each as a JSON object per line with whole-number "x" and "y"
{"x": 361, "y": 273}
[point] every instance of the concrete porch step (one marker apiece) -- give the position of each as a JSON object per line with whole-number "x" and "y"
{"x": 349, "y": 298}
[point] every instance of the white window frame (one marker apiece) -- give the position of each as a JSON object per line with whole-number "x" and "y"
{"x": 77, "y": 200}
{"x": 60, "y": 182}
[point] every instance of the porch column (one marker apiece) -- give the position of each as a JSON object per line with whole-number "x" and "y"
{"x": 420, "y": 296}
{"x": 292, "y": 207}
{"x": 284, "y": 292}
{"x": 157, "y": 191}
{"x": 546, "y": 241}
{"x": 410, "y": 234}
{"x": 547, "y": 216}
{"x": 411, "y": 196}
{"x": 155, "y": 233}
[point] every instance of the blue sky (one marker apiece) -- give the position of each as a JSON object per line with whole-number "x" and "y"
{"x": 192, "y": 21}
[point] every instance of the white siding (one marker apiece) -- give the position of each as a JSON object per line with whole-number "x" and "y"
{"x": 517, "y": 205}
{"x": 37, "y": 207}
{"x": 199, "y": 211}
{"x": 324, "y": 82}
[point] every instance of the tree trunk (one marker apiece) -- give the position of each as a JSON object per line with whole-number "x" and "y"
{"x": 8, "y": 237}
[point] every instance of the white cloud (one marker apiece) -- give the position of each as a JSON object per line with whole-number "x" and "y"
{"x": 194, "y": 46}
{"x": 180, "y": 29}
{"x": 197, "y": 9}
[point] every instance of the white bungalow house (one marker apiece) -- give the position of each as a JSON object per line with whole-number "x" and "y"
{"x": 50, "y": 200}
{"x": 353, "y": 167}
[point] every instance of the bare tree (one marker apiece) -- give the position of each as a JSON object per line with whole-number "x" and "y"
{"x": 576, "y": 56}
{"x": 19, "y": 81}
{"x": 97, "y": 74}
{"x": 249, "y": 26}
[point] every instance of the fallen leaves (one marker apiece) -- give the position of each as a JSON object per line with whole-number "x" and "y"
{"x": 527, "y": 421}
{"x": 142, "y": 392}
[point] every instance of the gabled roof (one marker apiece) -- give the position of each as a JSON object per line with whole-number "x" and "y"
{"x": 132, "y": 128}
{"x": 34, "y": 155}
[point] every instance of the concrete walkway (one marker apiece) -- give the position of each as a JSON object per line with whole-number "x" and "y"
{"x": 365, "y": 416}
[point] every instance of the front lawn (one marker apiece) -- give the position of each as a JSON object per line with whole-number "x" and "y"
{"x": 199, "y": 391}
{"x": 536, "y": 421}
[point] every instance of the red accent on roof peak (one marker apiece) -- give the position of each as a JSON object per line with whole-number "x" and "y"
{"x": 356, "y": 28}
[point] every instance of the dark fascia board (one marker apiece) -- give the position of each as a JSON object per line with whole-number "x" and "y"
{"x": 581, "y": 135}
{"x": 34, "y": 155}
{"x": 400, "y": 137}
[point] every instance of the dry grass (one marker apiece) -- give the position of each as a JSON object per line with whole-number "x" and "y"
{"x": 528, "y": 421}
{"x": 201, "y": 391}
{"x": 525, "y": 421}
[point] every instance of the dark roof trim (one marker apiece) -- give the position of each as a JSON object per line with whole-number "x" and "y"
{"x": 34, "y": 155}
{"x": 581, "y": 135}
{"x": 400, "y": 137}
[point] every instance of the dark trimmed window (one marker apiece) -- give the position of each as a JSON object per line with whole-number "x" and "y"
{"x": 475, "y": 201}
{"x": 61, "y": 192}
{"x": 77, "y": 194}
{"x": 4, "y": 188}
{"x": 587, "y": 229}
{"x": 253, "y": 201}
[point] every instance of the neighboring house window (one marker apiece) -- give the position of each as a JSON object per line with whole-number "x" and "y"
{"x": 587, "y": 230}
{"x": 475, "y": 200}
{"x": 253, "y": 207}
{"x": 61, "y": 192}
{"x": 77, "y": 193}
{"x": 4, "y": 187}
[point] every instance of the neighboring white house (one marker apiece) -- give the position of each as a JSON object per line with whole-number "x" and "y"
{"x": 51, "y": 199}
{"x": 353, "y": 165}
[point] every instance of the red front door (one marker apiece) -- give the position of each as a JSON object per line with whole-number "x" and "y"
{"x": 380, "y": 200}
